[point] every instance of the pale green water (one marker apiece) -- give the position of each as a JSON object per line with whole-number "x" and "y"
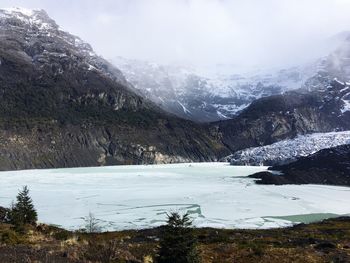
{"x": 307, "y": 218}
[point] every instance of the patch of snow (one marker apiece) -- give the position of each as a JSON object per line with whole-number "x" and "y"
{"x": 28, "y": 16}
{"x": 21, "y": 10}
{"x": 184, "y": 108}
{"x": 91, "y": 67}
{"x": 344, "y": 89}
{"x": 338, "y": 81}
{"x": 221, "y": 115}
{"x": 346, "y": 106}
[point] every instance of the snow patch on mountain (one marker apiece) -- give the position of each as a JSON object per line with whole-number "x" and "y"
{"x": 288, "y": 150}
{"x": 346, "y": 106}
{"x": 20, "y": 10}
{"x": 184, "y": 108}
{"x": 32, "y": 17}
{"x": 344, "y": 95}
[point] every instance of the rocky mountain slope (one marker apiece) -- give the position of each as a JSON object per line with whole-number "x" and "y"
{"x": 328, "y": 166}
{"x": 191, "y": 95}
{"x": 62, "y": 105}
{"x": 287, "y": 151}
{"x": 323, "y": 108}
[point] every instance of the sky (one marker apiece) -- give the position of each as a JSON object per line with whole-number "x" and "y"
{"x": 242, "y": 33}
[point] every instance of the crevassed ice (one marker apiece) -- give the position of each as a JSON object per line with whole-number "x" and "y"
{"x": 290, "y": 149}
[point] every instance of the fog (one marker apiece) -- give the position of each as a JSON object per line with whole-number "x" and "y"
{"x": 242, "y": 33}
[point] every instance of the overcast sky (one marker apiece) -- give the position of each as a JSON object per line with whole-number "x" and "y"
{"x": 203, "y": 32}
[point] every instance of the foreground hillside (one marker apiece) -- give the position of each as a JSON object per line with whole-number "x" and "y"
{"x": 63, "y": 106}
{"x": 328, "y": 241}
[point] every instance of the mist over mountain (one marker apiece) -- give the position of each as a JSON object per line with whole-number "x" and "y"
{"x": 219, "y": 92}
{"x": 205, "y": 97}
{"x": 243, "y": 34}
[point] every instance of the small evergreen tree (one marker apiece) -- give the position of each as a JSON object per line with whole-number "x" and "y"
{"x": 178, "y": 242}
{"x": 23, "y": 211}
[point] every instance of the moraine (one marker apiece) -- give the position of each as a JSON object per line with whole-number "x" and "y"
{"x": 135, "y": 197}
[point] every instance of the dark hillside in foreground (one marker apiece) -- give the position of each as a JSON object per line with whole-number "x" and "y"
{"x": 328, "y": 241}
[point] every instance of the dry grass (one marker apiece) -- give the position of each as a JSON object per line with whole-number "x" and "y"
{"x": 328, "y": 241}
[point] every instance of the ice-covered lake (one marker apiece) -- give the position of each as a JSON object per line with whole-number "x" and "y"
{"x": 215, "y": 194}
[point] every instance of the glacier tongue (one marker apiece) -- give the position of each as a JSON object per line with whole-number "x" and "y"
{"x": 288, "y": 150}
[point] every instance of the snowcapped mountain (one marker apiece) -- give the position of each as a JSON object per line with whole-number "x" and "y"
{"x": 187, "y": 93}
{"x": 218, "y": 92}
{"x": 44, "y": 42}
{"x": 286, "y": 151}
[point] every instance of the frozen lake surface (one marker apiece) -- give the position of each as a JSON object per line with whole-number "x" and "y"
{"x": 128, "y": 197}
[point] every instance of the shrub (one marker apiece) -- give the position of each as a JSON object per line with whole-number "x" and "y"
{"x": 101, "y": 252}
{"x": 9, "y": 237}
{"x": 4, "y": 215}
{"x": 92, "y": 224}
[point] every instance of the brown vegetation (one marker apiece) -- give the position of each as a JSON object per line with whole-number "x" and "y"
{"x": 328, "y": 241}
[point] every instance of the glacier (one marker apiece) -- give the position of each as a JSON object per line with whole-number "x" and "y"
{"x": 289, "y": 150}
{"x": 137, "y": 197}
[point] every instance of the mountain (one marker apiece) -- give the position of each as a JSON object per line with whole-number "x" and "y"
{"x": 323, "y": 108}
{"x": 257, "y": 109}
{"x": 287, "y": 151}
{"x": 63, "y": 106}
{"x": 191, "y": 95}
{"x": 328, "y": 166}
